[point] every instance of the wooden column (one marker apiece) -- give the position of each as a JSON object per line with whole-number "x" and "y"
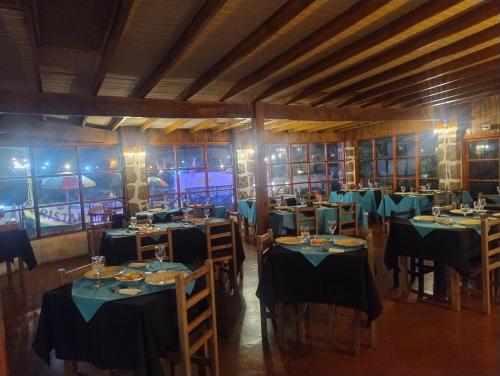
{"x": 261, "y": 199}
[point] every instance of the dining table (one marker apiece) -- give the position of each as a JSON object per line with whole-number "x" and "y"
{"x": 368, "y": 198}
{"x": 159, "y": 215}
{"x": 419, "y": 203}
{"x": 189, "y": 243}
{"x": 124, "y": 333}
{"x": 326, "y": 273}
{"x": 16, "y": 243}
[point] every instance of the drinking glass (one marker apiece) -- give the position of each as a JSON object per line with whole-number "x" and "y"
{"x": 332, "y": 226}
{"x": 97, "y": 265}
{"x": 160, "y": 253}
{"x": 403, "y": 188}
{"x": 482, "y": 204}
{"x": 133, "y": 221}
{"x": 436, "y": 210}
{"x": 150, "y": 219}
{"x": 304, "y": 233}
{"x": 498, "y": 189}
{"x": 206, "y": 211}
{"x": 185, "y": 212}
{"x": 428, "y": 186}
{"x": 464, "y": 208}
{"x": 360, "y": 185}
{"x": 278, "y": 201}
{"x": 302, "y": 201}
{"x": 369, "y": 184}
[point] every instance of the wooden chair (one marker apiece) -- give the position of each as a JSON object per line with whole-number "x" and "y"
{"x": 221, "y": 248}
{"x": 142, "y": 248}
{"x": 447, "y": 208}
{"x": 20, "y": 261}
{"x": 442, "y": 199}
{"x": 305, "y": 217}
{"x": 489, "y": 205}
{"x": 197, "y": 333}
{"x": 347, "y": 218}
{"x": 94, "y": 235}
{"x": 264, "y": 244}
{"x": 355, "y": 321}
{"x": 388, "y": 190}
{"x": 4, "y": 367}
{"x": 100, "y": 214}
{"x": 238, "y": 220}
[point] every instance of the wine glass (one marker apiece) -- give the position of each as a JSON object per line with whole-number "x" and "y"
{"x": 206, "y": 211}
{"x": 482, "y": 204}
{"x": 428, "y": 186}
{"x": 160, "y": 253}
{"x": 403, "y": 188}
{"x": 498, "y": 189}
{"x": 133, "y": 221}
{"x": 150, "y": 219}
{"x": 436, "y": 210}
{"x": 332, "y": 226}
{"x": 278, "y": 201}
{"x": 360, "y": 185}
{"x": 464, "y": 208}
{"x": 185, "y": 212}
{"x": 97, "y": 265}
{"x": 369, "y": 184}
{"x": 302, "y": 201}
{"x": 304, "y": 233}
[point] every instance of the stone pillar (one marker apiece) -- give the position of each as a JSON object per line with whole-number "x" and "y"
{"x": 245, "y": 173}
{"x": 450, "y": 157}
{"x": 350, "y": 165}
{"x": 135, "y": 180}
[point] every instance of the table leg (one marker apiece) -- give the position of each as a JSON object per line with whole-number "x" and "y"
{"x": 454, "y": 280}
{"x": 403, "y": 275}
{"x": 21, "y": 271}
{"x": 245, "y": 225}
{"x": 70, "y": 368}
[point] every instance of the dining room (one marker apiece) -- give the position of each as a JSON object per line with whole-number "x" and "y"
{"x": 227, "y": 187}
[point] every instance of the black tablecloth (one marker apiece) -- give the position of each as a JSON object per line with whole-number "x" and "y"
{"x": 128, "y": 333}
{"x": 161, "y": 216}
{"x": 450, "y": 246}
{"x": 16, "y": 243}
{"x": 190, "y": 247}
{"x": 342, "y": 279}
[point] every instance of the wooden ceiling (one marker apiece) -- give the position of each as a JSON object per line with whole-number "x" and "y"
{"x": 324, "y": 53}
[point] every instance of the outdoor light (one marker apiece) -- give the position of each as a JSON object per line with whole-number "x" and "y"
{"x": 67, "y": 166}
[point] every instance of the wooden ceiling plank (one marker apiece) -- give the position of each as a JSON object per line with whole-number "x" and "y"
{"x": 480, "y": 13}
{"x": 437, "y": 96}
{"x": 147, "y": 124}
{"x": 447, "y": 84}
{"x": 351, "y": 16}
{"x": 467, "y": 96}
{"x": 329, "y": 126}
{"x": 175, "y": 125}
{"x": 29, "y": 10}
{"x": 115, "y": 123}
{"x": 205, "y": 124}
{"x": 388, "y": 31}
{"x": 453, "y": 48}
{"x": 80, "y": 105}
{"x": 186, "y": 38}
{"x": 119, "y": 21}
{"x": 467, "y": 99}
{"x": 358, "y": 126}
{"x": 277, "y": 124}
{"x": 259, "y": 36}
{"x": 460, "y": 63}
{"x": 230, "y": 125}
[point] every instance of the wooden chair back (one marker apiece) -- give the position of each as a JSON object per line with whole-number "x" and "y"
{"x": 100, "y": 214}
{"x": 490, "y": 258}
{"x": 442, "y": 199}
{"x": 447, "y": 208}
{"x": 237, "y": 219}
{"x": 165, "y": 237}
{"x": 9, "y": 227}
{"x": 20, "y": 262}
{"x": 347, "y": 218}
{"x": 264, "y": 244}
{"x": 305, "y": 217}
{"x": 388, "y": 190}
{"x": 68, "y": 275}
{"x": 198, "y": 333}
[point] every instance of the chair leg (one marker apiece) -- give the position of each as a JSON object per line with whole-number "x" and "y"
{"x": 486, "y": 287}
{"x": 454, "y": 283}
{"x": 8, "y": 268}
{"x": 356, "y": 338}
{"x": 420, "y": 277}
{"x": 70, "y": 368}
{"x": 403, "y": 275}
{"x": 263, "y": 320}
{"x": 373, "y": 334}
{"x": 21, "y": 270}
{"x": 281, "y": 322}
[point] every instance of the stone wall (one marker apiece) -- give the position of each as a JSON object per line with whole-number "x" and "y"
{"x": 449, "y": 159}
{"x": 245, "y": 173}
{"x": 135, "y": 182}
{"x": 350, "y": 165}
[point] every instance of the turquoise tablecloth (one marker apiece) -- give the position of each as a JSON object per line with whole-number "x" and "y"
{"x": 247, "y": 209}
{"x": 88, "y": 299}
{"x": 365, "y": 199}
{"x": 418, "y": 203}
{"x": 425, "y": 228}
{"x": 317, "y": 253}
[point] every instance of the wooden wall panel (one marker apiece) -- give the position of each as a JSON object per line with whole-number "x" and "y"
{"x": 390, "y": 128}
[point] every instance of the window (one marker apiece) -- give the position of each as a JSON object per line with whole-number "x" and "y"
{"x": 67, "y": 182}
{"x": 194, "y": 172}
{"x": 483, "y": 166}
{"x": 365, "y": 152}
{"x": 384, "y": 161}
{"x": 406, "y": 156}
{"x": 301, "y": 168}
{"x": 428, "y": 162}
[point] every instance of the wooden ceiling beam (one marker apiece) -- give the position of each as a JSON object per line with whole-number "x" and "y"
{"x": 266, "y": 30}
{"x": 457, "y": 24}
{"x": 329, "y": 126}
{"x": 277, "y": 124}
{"x": 351, "y": 16}
{"x": 115, "y": 123}
{"x": 29, "y": 11}
{"x": 119, "y": 20}
{"x": 466, "y": 43}
{"x": 438, "y": 96}
{"x": 205, "y": 124}
{"x": 418, "y": 78}
{"x": 358, "y": 126}
{"x": 446, "y": 85}
{"x": 175, "y": 125}
{"x": 230, "y": 125}
{"x": 147, "y": 124}
{"x": 376, "y": 37}
{"x": 80, "y": 105}
{"x": 467, "y": 97}
{"x": 186, "y": 38}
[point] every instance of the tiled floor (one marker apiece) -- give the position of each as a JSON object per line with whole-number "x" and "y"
{"x": 415, "y": 338}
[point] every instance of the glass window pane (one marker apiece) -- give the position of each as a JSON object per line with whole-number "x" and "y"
{"x": 300, "y": 189}
{"x": 61, "y": 218}
{"x": 433, "y": 182}
{"x": 279, "y": 153}
{"x": 298, "y": 152}
{"x": 384, "y": 167}
{"x": 192, "y": 180}
{"x": 160, "y": 158}
{"x": 407, "y": 183}
{"x": 280, "y": 174}
{"x": 366, "y": 169}
{"x": 52, "y": 161}
{"x": 219, "y": 156}
{"x": 334, "y": 151}
{"x": 162, "y": 182}
{"x": 279, "y": 190}
{"x": 320, "y": 187}
{"x": 483, "y": 149}
{"x": 25, "y": 218}
{"x": 222, "y": 198}
{"x": 223, "y": 178}
{"x": 95, "y": 160}
{"x": 299, "y": 172}
{"x": 335, "y": 185}
{"x": 487, "y": 187}
{"x": 58, "y": 189}
{"x": 190, "y": 156}
{"x": 428, "y": 167}
{"x": 428, "y": 143}
{"x": 487, "y": 170}
{"x": 406, "y": 167}
{"x": 383, "y": 148}
{"x": 114, "y": 206}
{"x": 406, "y": 145}
{"x": 317, "y": 152}
{"x": 365, "y": 149}
{"x": 14, "y": 162}
{"x": 15, "y": 193}
{"x": 100, "y": 187}
{"x": 335, "y": 170}
{"x": 199, "y": 197}
{"x": 317, "y": 171}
